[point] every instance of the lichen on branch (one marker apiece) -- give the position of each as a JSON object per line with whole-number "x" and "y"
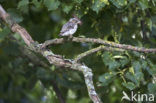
{"x": 54, "y": 59}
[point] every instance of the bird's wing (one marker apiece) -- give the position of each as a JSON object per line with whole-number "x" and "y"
{"x": 67, "y": 26}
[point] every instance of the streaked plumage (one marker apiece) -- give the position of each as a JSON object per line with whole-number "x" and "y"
{"x": 70, "y": 27}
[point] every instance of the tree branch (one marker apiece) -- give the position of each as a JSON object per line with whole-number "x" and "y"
{"x": 100, "y": 41}
{"x": 38, "y": 62}
{"x": 82, "y": 55}
{"x": 52, "y": 58}
{"x": 87, "y": 72}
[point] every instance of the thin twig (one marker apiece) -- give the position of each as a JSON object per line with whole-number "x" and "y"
{"x": 52, "y": 58}
{"x": 100, "y": 41}
{"x": 82, "y": 55}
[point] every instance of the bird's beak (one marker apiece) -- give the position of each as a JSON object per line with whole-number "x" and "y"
{"x": 80, "y": 23}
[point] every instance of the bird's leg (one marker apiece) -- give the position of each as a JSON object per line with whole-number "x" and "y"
{"x": 65, "y": 38}
{"x": 70, "y": 37}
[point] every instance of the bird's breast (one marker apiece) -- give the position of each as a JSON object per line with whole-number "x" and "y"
{"x": 72, "y": 31}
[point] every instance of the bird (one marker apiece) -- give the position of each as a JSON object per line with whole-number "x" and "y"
{"x": 70, "y": 27}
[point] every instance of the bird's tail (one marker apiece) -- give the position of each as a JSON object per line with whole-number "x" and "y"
{"x": 60, "y": 34}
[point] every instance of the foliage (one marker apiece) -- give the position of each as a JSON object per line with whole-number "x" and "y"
{"x": 122, "y": 21}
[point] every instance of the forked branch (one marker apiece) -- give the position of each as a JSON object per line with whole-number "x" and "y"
{"x": 52, "y": 58}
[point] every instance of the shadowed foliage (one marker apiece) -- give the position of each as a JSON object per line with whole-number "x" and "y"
{"x": 132, "y": 22}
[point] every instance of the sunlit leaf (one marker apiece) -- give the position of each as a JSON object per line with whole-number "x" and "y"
{"x": 119, "y": 3}
{"x": 131, "y": 70}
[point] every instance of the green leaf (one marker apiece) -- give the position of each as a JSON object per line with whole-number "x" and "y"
{"x": 119, "y": 3}
{"x": 78, "y": 1}
{"x": 151, "y": 71}
{"x": 23, "y": 6}
{"x": 110, "y": 62}
{"x": 137, "y": 66}
{"x": 36, "y": 3}
{"x": 139, "y": 76}
{"x": 43, "y": 74}
{"x": 152, "y": 88}
{"x": 124, "y": 61}
{"x": 52, "y": 68}
{"x": 98, "y": 5}
{"x": 143, "y": 4}
{"x": 51, "y": 4}
{"x": 136, "y": 78}
{"x": 149, "y": 24}
{"x": 84, "y": 100}
{"x": 129, "y": 85}
{"x": 67, "y": 8}
{"x": 131, "y": 77}
{"x": 71, "y": 94}
{"x": 131, "y": 70}
{"x": 4, "y": 32}
{"x": 144, "y": 64}
{"x": 137, "y": 54}
{"x": 132, "y": 1}
{"x": 106, "y": 78}
{"x": 114, "y": 64}
{"x": 15, "y": 15}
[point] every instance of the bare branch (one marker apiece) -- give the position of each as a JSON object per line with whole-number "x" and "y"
{"x": 87, "y": 72}
{"x": 100, "y": 41}
{"x": 82, "y": 55}
{"x": 52, "y": 58}
{"x": 38, "y": 62}
{"x": 15, "y": 27}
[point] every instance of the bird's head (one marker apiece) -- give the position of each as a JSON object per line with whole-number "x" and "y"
{"x": 75, "y": 20}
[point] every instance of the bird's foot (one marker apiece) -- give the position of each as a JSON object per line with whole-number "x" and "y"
{"x": 70, "y": 37}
